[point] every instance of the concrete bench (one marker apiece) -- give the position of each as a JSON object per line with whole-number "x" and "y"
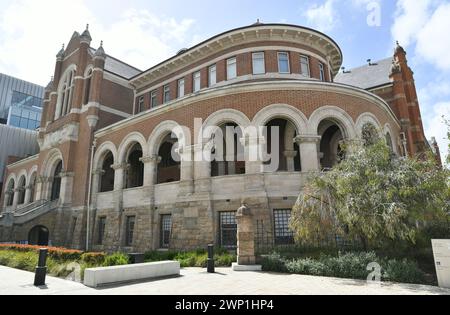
{"x": 98, "y": 277}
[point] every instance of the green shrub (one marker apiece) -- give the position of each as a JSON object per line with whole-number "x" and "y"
{"x": 403, "y": 271}
{"x": 306, "y": 266}
{"x": 274, "y": 262}
{"x": 117, "y": 259}
{"x": 93, "y": 258}
{"x": 225, "y": 259}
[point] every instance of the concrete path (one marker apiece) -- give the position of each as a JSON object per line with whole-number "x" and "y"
{"x": 194, "y": 281}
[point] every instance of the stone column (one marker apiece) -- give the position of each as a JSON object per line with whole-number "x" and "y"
{"x": 95, "y": 189}
{"x": 16, "y": 198}
{"x": 187, "y": 170}
{"x": 246, "y": 241}
{"x": 309, "y": 152}
{"x": 66, "y": 187}
{"x": 150, "y": 169}
{"x": 202, "y": 167}
{"x": 119, "y": 177}
{"x": 290, "y": 159}
{"x": 254, "y": 179}
{"x": 28, "y": 194}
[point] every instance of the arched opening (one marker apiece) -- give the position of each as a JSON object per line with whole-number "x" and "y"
{"x": 65, "y": 95}
{"x": 280, "y": 134}
{"x": 108, "y": 173}
{"x": 87, "y": 87}
{"x": 331, "y": 148}
{"x": 10, "y": 193}
{"x": 228, "y": 152}
{"x": 135, "y": 172}
{"x": 369, "y": 134}
{"x": 389, "y": 142}
{"x": 169, "y": 169}
{"x": 33, "y": 180}
{"x": 21, "y": 188}
{"x": 56, "y": 184}
{"x": 39, "y": 236}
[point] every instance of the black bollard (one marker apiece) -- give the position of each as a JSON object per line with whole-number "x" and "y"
{"x": 41, "y": 269}
{"x": 211, "y": 263}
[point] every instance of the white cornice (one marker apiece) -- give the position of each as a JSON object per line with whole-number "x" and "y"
{"x": 307, "y": 85}
{"x": 298, "y": 35}
{"x": 24, "y": 161}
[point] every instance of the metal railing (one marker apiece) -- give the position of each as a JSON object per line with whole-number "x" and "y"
{"x": 30, "y": 207}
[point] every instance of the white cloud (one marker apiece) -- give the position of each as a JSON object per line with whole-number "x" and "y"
{"x": 322, "y": 17}
{"x": 436, "y": 127}
{"x": 31, "y": 33}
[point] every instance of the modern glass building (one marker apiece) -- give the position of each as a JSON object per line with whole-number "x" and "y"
{"x": 20, "y": 102}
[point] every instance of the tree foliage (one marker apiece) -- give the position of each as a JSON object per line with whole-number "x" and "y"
{"x": 372, "y": 196}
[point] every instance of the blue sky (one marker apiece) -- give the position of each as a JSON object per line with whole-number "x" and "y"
{"x": 145, "y": 32}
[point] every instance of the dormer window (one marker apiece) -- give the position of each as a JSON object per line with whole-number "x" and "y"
{"x": 65, "y": 94}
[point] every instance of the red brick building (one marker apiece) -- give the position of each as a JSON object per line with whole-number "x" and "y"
{"x": 108, "y": 176}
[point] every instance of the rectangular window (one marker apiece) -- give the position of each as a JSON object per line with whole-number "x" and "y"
{"x": 228, "y": 230}
{"x": 166, "y": 94}
{"x": 154, "y": 99}
{"x": 129, "y": 231}
{"x": 166, "y": 230}
{"x": 197, "y": 81}
{"x": 322, "y": 71}
{"x": 304, "y": 66}
{"x": 283, "y": 62}
{"x": 259, "y": 66}
{"x": 180, "y": 88}
{"x": 212, "y": 75}
{"x": 231, "y": 68}
{"x": 101, "y": 230}
{"x": 283, "y": 234}
{"x": 140, "y": 108}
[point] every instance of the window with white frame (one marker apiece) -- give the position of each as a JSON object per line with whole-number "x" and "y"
{"x": 65, "y": 95}
{"x": 197, "y": 81}
{"x": 322, "y": 71}
{"x": 212, "y": 80}
{"x": 154, "y": 99}
{"x": 140, "y": 108}
{"x": 231, "y": 68}
{"x": 166, "y": 94}
{"x": 304, "y": 66}
{"x": 283, "y": 62}
{"x": 180, "y": 88}
{"x": 259, "y": 65}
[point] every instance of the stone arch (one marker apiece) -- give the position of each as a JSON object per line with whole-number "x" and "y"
{"x": 33, "y": 174}
{"x": 33, "y": 171}
{"x": 335, "y": 114}
{"x": 162, "y": 130}
{"x": 284, "y": 111}
{"x": 21, "y": 187}
{"x": 104, "y": 160}
{"x": 102, "y": 151}
{"x": 368, "y": 118}
{"x": 388, "y": 132}
{"x": 70, "y": 70}
{"x": 53, "y": 157}
{"x": 224, "y": 116}
{"x": 128, "y": 143}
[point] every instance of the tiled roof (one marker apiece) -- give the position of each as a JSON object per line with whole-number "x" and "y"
{"x": 118, "y": 67}
{"x": 368, "y": 76}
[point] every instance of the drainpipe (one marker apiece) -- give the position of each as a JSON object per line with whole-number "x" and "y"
{"x": 88, "y": 221}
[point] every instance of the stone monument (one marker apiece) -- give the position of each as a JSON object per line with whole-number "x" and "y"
{"x": 246, "y": 241}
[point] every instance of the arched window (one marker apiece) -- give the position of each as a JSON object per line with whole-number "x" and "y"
{"x": 56, "y": 184}
{"x": 279, "y": 135}
{"x": 21, "y": 187}
{"x": 33, "y": 187}
{"x": 107, "y": 180}
{"x": 65, "y": 96}
{"x": 169, "y": 167}
{"x": 87, "y": 87}
{"x": 135, "y": 172}
{"x": 10, "y": 193}
{"x": 331, "y": 150}
{"x": 228, "y": 153}
{"x": 389, "y": 142}
{"x": 369, "y": 134}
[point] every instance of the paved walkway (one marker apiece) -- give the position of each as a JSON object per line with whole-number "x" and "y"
{"x": 194, "y": 281}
